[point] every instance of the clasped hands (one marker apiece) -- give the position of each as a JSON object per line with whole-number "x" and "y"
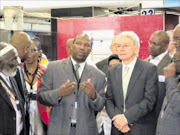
{"x": 120, "y": 123}
{"x": 68, "y": 87}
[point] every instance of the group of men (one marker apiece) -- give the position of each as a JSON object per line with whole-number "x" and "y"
{"x": 137, "y": 98}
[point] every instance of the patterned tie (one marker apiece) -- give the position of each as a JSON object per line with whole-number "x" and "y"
{"x": 126, "y": 78}
{"x": 77, "y": 70}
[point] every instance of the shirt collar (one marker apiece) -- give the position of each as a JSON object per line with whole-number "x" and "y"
{"x": 160, "y": 57}
{"x": 130, "y": 64}
{"x": 82, "y": 65}
{"x": 6, "y": 78}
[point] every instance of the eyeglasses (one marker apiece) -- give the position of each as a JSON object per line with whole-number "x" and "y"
{"x": 174, "y": 60}
{"x": 154, "y": 43}
{"x": 123, "y": 46}
{"x": 175, "y": 39}
{"x": 34, "y": 49}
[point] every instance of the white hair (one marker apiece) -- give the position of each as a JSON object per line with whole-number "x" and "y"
{"x": 131, "y": 35}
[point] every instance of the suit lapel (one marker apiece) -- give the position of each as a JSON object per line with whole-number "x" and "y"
{"x": 86, "y": 74}
{"x": 119, "y": 80}
{"x": 3, "y": 92}
{"x": 164, "y": 62}
{"x": 68, "y": 69}
{"x": 16, "y": 90}
{"x": 135, "y": 74}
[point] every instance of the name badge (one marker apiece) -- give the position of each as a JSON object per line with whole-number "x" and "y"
{"x": 161, "y": 78}
{"x": 75, "y": 105}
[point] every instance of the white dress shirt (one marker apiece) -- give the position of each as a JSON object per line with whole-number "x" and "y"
{"x": 156, "y": 60}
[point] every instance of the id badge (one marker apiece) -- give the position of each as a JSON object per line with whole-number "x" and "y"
{"x": 75, "y": 105}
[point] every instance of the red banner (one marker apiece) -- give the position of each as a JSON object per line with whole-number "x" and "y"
{"x": 143, "y": 26}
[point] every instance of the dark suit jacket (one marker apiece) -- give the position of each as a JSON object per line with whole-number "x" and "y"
{"x": 103, "y": 65}
{"x": 140, "y": 100}
{"x": 56, "y": 74}
{"x": 7, "y": 113}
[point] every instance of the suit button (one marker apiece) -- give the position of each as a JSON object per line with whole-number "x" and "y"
{"x": 72, "y": 105}
{"x": 14, "y": 118}
{"x": 69, "y": 117}
{"x": 74, "y": 93}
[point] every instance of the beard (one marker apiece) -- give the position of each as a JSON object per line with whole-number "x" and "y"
{"x": 11, "y": 72}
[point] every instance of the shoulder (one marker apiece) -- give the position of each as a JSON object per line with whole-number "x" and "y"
{"x": 145, "y": 64}
{"x": 102, "y": 62}
{"x": 57, "y": 63}
{"x": 95, "y": 70}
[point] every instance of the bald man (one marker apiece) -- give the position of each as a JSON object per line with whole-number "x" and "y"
{"x": 103, "y": 64}
{"x": 69, "y": 43}
{"x": 22, "y": 42}
{"x": 176, "y": 36}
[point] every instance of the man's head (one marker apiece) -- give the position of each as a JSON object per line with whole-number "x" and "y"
{"x": 171, "y": 47}
{"x": 158, "y": 43}
{"x": 22, "y": 42}
{"x": 81, "y": 48}
{"x": 113, "y": 47}
{"x": 9, "y": 59}
{"x": 113, "y": 60}
{"x": 176, "y": 36}
{"x": 176, "y": 60}
{"x": 127, "y": 46}
{"x": 69, "y": 43}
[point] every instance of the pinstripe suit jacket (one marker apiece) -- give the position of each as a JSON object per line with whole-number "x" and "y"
{"x": 56, "y": 74}
{"x": 169, "y": 118}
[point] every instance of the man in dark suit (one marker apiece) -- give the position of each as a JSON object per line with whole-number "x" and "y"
{"x": 12, "y": 114}
{"x": 103, "y": 64}
{"x": 22, "y": 42}
{"x": 132, "y": 89}
{"x": 74, "y": 90}
{"x": 160, "y": 57}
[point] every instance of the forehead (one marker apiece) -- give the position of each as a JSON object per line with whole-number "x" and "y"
{"x": 177, "y": 32}
{"x": 33, "y": 44}
{"x": 82, "y": 38}
{"x": 124, "y": 39}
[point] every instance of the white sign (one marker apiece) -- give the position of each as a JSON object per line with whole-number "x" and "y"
{"x": 147, "y": 12}
{"x": 101, "y": 44}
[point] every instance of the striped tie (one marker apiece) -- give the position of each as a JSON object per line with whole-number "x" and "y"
{"x": 126, "y": 78}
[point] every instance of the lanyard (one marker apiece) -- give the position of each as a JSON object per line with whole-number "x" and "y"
{"x": 33, "y": 76}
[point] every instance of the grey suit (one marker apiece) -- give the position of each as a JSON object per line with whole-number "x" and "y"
{"x": 103, "y": 65}
{"x": 140, "y": 100}
{"x": 169, "y": 118}
{"x": 162, "y": 90}
{"x": 56, "y": 74}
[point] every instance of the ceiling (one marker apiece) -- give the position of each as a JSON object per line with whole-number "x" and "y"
{"x": 45, "y": 6}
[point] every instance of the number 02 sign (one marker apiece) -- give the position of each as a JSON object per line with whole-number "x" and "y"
{"x": 147, "y": 12}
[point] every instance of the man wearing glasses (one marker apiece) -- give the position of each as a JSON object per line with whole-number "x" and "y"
{"x": 169, "y": 118}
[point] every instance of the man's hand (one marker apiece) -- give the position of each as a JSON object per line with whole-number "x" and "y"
{"x": 170, "y": 70}
{"x": 119, "y": 121}
{"x": 125, "y": 129}
{"x": 88, "y": 88}
{"x": 66, "y": 88}
{"x": 40, "y": 73}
